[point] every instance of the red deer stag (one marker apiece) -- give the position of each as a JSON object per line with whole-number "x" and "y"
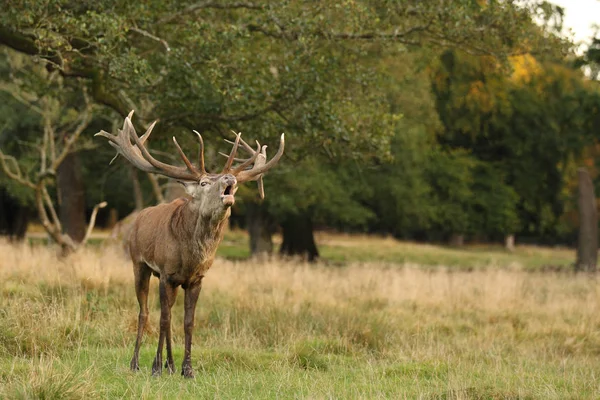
{"x": 177, "y": 241}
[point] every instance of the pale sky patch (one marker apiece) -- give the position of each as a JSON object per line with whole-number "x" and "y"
{"x": 580, "y": 16}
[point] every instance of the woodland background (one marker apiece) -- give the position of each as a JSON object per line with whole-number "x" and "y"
{"x": 409, "y": 124}
{"x": 437, "y": 121}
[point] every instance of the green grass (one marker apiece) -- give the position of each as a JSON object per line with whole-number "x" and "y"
{"x": 468, "y": 257}
{"x": 261, "y": 374}
{"x": 340, "y": 250}
{"x": 275, "y": 329}
{"x": 235, "y": 246}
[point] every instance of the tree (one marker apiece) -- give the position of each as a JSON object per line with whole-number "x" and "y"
{"x": 41, "y": 158}
{"x": 16, "y": 202}
{"x": 587, "y": 246}
{"x": 591, "y": 59}
{"x": 14, "y": 216}
{"x": 528, "y": 126}
{"x": 261, "y": 66}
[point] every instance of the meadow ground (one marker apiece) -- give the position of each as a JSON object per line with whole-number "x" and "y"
{"x": 377, "y": 319}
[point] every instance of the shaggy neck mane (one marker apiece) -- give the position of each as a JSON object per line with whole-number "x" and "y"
{"x": 203, "y": 232}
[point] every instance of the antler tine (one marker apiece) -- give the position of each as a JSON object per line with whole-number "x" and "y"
{"x": 187, "y": 162}
{"x": 138, "y": 155}
{"x": 260, "y": 167}
{"x": 201, "y": 152}
{"x": 245, "y": 145}
{"x": 261, "y": 187}
{"x": 259, "y": 158}
{"x": 146, "y": 135}
{"x": 236, "y": 159}
{"x": 249, "y": 161}
{"x": 232, "y": 154}
{"x": 122, "y": 143}
{"x": 259, "y": 163}
{"x": 165, "y": 169}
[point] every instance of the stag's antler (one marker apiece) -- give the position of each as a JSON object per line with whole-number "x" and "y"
{"x": 138, "y": 155}
{"x": 258, "y": 157}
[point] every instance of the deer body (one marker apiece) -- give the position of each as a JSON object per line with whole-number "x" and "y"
{"x": 177, "y": 242}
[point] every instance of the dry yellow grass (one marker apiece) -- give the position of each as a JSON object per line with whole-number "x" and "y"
{"x": 384, "y": 329}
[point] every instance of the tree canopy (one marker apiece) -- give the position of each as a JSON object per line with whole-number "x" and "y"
{"x": 420, "y": 119}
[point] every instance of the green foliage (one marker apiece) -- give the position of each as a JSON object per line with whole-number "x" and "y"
{"x": 591, "y": 59}
{"x": 526, "y": 129}
{"x": 19, "y": 125}
{"x": 494, "y": 202}
{"x": 347, "y": 82}
{"x": 330, "y": 193}
{"x": 451, "y": 179}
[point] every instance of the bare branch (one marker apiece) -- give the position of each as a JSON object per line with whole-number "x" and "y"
{"x": 189, "y": 10}
{"x": 151, "y": 36}
{"x": 66, "y": 243}
{"x": 156, "y": 188}
{"x": 85, "y": 120}
{"x": 50, "y": 205}
{"x": 396, "y": 35}
{"x": 20, "y": 97}
{"x": 15, "y": 174}
{"x": 92, "y": 221}
{"x": 42, "y": 150}
{"x": 48, "y": 145}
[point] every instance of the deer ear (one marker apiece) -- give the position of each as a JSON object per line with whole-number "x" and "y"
{"x": 190, "y": 187}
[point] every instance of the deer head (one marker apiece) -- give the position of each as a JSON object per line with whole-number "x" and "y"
{"x": 211, "y": 192}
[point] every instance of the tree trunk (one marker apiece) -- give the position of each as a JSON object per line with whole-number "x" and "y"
{"x": 260, "y": 228}
{"x": 20, "y": 223}
{"x": 113, "y": 218}
{"x": 138, "y": 196}
{"x": 457, "y": 240}
{"x": 509, "y": 243}
{"x": 298, "y": 238}
{"x": 587, "y": 248}
{"x": 156, "y": 188}
{"x": 14, "y": 217}
{"x": 71, "y": 197}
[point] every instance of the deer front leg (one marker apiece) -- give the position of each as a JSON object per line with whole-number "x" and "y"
{"x": 142, "y": 282}
{"x": 168, "y": 292}
{"x": 191, "y": 298}
{"x": 170, "y": 364}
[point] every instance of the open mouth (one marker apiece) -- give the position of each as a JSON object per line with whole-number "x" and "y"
{"x": 227, "y": 195}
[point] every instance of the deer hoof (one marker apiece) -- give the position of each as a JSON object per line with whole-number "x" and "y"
{"x": 134, "y": 366}
{"x": 170, "y": 368}
{"x": 156, "y": 368}
{"x": 187, "y": 372}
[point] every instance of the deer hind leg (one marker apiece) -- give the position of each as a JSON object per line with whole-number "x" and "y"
{"x": 191, "y": 298}
{"x": 142, "y": 276}
{"x": 168, "y": 292}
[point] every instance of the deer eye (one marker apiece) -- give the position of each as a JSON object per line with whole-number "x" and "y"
{"x": 203, "y": 184}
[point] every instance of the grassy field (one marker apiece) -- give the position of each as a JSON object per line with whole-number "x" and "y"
{"x": 376, "y": 319}
{"x": 336, "y": 249}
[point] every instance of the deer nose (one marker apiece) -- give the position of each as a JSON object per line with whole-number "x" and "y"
{"x": 229, "y": 180}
